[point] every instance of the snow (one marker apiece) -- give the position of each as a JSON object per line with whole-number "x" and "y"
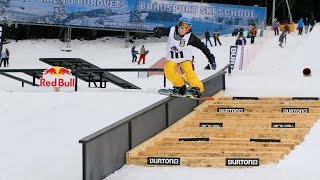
{"x": 40, "y": 129}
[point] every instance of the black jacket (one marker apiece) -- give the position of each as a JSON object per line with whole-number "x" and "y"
{"x": 207, "y": 35}
{"x": 193, "y": 41}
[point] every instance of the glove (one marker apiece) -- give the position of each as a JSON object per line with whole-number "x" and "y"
{"x": 157, "y": 32}
{"x": 212, "y": 62}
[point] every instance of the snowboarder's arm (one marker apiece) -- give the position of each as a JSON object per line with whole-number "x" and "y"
{"x": 161, "y": 31}
{"x": 196, "y": 42}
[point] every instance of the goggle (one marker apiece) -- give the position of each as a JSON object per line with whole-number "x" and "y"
{"x": 184, "y": 26}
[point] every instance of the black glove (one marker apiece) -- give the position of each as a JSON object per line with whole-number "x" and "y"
{"x": 157, "y": 31}
{"x": 212, "y": 62}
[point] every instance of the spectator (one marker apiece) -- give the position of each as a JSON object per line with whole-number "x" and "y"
{"x": 142, "y": 55}
{"x": 282, "y": 37}
{"x": 286, "y": 27}
{"x": 249, "y": 31}
{"x": 241, "y": 32}
{"x": 253, "y": 34}
{"x": 235, "y": 32}
{"x": 300, "y": 26}
{"x": 241, "y": 40}
{"x": 5, "y": 57}
{"x": 216, "y": 37}
{"x": 275, "y": 26}
{"x": 306, "y": 25}
{"x": 207, "y": 35}
{"x": 311, "y": 23}
{"x": 134, "y": 54}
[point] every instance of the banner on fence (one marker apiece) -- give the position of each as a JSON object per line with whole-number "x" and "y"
{"x": 233, "y": 55}
{"x": 141, "y": 15}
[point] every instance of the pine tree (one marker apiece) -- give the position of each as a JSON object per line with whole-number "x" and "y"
{"x": 59, "y": 13}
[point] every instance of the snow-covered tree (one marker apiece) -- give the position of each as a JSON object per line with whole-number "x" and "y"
{"x": 59, "y": 13}
{"x": 4, "y": 14}
{"x": 135, "y": 15}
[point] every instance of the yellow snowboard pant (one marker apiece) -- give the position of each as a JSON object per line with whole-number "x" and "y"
{"x": 189, "y": 76}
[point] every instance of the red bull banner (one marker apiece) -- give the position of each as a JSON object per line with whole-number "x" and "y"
{"x": 57, "y": 77}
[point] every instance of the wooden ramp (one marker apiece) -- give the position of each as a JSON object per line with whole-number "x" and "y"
{"x": 231, "y": 132}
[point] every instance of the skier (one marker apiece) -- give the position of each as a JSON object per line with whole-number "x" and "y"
{"x": 179, "y": 54}
{"x": 282, "y": 37}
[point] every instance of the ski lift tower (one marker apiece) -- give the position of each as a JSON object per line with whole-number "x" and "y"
{"x": 68, "y": 40}
{"x": 274, "y": 10}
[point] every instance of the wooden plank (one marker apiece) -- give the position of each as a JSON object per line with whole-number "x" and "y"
{"x": 267, "y": 99}
{"x": 230, "y": 140}
{"x": 251, "y": 123}
{"x": 242, "y": 130}
{"x": 220, "y": 149}
{"x": 171, "y": 142}
{"x": 239, "y": 134}
{"x": 211, "y": 115}
{"x": 258, "y": 108}
{"x": 228, "y": 154}
{"x": 265, "y": 102}
{"x": 201, "y": 161}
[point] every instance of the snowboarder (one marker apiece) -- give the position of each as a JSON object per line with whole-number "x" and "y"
{"x": 179, "y": 54}
{"x": 282, "y": 37}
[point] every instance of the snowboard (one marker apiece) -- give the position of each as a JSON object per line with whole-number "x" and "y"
{"x": 167, "y": 92}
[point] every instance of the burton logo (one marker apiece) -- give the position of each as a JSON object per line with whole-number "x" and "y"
{"x": 211, "y": 125}
{"x": 163, "y": 161}
{"x": 295, "y": 110}
{"x": 230, "y": 110}
{"x": 242, "y": 161}
{"x": 305, "y": 98}
{"x": 245, "y": 98}
{"x": 283, "y": 125}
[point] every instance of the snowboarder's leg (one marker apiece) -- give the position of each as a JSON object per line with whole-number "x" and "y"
{"x": 170, "y": 71}
{"x": 191, "y": 76}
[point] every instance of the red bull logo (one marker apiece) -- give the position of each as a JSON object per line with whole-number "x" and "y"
{"x": 57, "y": 71}
{"x": 57, "y": 77}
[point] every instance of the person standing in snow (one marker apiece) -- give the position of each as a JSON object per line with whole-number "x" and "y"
{"x": 207, "y": 35}
{"x": 179, "y": 54}
{"x": 306, "y": 25}
{"x": 216, "y": 37}
{"x": 5, "y": 57}
{"x": 142, "y": 55}
{"x": 134, "y": 54}
{"x": 282, "y": 37}
{"x": 300, "y": 26}
{"x": 275, "y": 26}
